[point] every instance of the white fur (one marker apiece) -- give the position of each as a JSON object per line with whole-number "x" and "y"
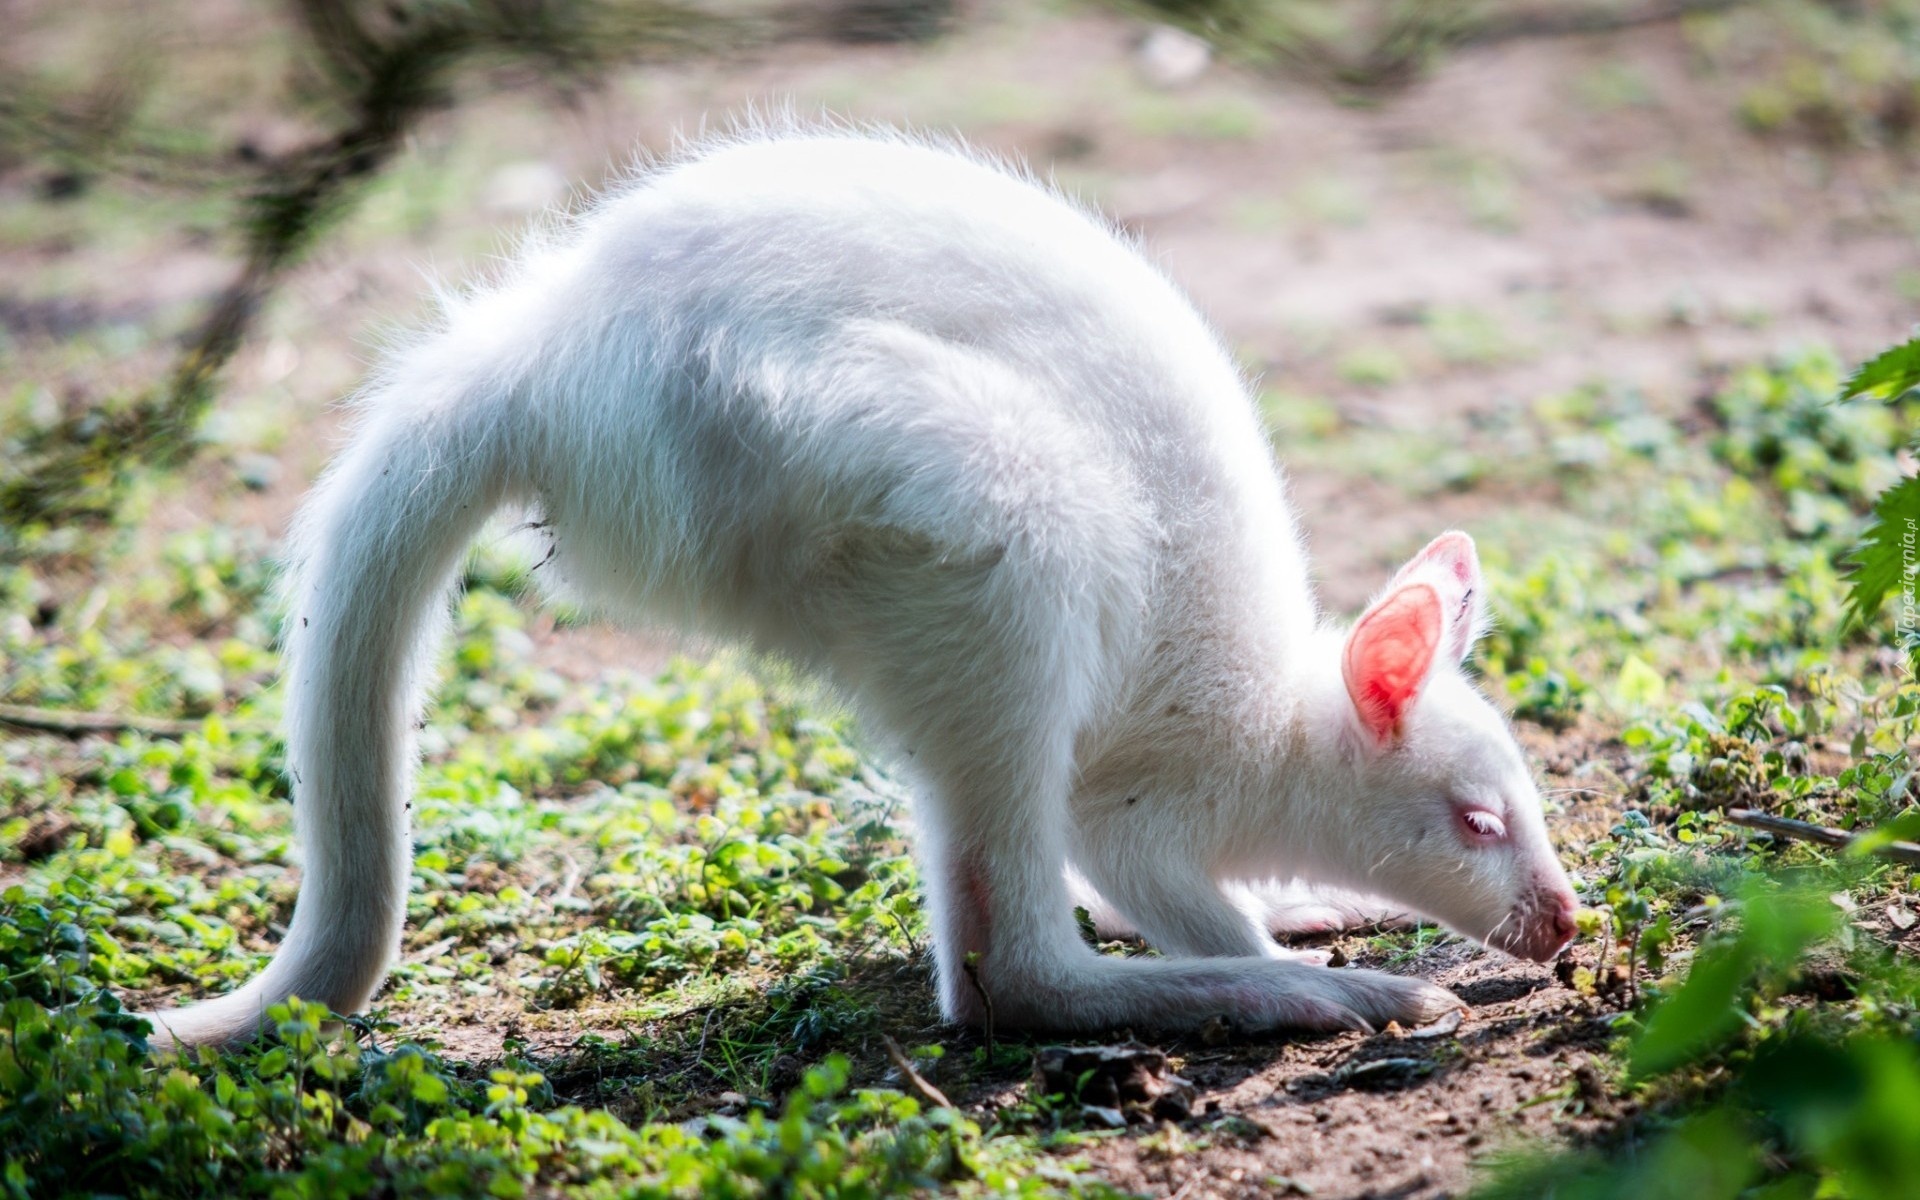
{"x": 917, "y": 423}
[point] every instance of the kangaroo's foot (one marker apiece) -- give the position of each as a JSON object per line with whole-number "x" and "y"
{"x": 1255, "y": 994}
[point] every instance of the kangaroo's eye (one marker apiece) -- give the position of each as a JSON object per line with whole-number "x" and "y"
{"x": 1483, "y": 824}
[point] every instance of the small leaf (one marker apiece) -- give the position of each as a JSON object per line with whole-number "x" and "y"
{"x": 1887, "y": 376}
{"x": 1639, "y": 685}
{"x": 1903, "y": 828}
{"x": 1088, "y": 933}
{"x": 1697, "y": 1017}
{"x": 1886, "y": 559}
{"x": 430, "y": 1089}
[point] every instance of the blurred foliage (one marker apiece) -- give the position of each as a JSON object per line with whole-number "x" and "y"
{"x": 1768, "y": 1044}
{"x": 1385, "y": 44}
{"x": 1771, "y": 1046}
{"x": 367, "y": 72}
{"x": 1715, "y": 536}
{"x": 1773, "y": 1049}
{"x": 363, "y": 73}
{"x": 1835, "y": 75}
{"x": 1755, "y": 1095}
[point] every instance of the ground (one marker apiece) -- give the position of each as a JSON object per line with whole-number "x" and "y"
{"x": 1585, "y": 297}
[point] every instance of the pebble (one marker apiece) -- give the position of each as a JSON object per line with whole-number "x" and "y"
{"x": 1171, "y": 58}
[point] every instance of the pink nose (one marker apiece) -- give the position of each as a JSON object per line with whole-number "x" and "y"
{"x": 1563, "y": 924}
{"x": 1556, "y": 927}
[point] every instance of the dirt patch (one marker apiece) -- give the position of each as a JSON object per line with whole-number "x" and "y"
{"x": 1395, "y": 1113}
{"x": 1388, "y": 1114}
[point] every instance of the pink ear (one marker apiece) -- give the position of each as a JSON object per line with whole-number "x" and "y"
{"x": 1451, "y": 566}
{"x": 1390, "y": 654}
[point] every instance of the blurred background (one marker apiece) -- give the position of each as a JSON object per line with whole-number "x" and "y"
{"x": 1405, "y": 216}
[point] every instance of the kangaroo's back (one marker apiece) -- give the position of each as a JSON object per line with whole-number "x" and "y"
{"x": 744, "y": 325}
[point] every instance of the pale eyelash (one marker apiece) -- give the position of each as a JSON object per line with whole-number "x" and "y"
{"x": 1484, "y": 823}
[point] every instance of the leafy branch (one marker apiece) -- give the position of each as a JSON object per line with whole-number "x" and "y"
{"x": 1394, "y": 50}
{"x": 384, "y": 66}
{"x": 1888, "y": 555}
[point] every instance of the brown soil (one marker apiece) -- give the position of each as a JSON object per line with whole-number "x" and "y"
{"x": 1392, "y": 1114}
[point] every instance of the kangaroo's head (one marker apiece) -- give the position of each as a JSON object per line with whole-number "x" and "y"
{"x": 1445, "y": 816}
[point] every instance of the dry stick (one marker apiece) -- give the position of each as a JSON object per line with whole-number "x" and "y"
{"x": 285, "y": 212}
{"x": 970, "y": 964}
{"x": 1561, "y": 20}
{"x": 72, "y": 723}
{"x": 1786, "y": 827}
{"x": 1395, "y": 56}
{"x": 706, "y": 1027}
{"x": 916, "y": 1083}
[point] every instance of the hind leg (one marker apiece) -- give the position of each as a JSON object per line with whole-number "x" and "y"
{"x": 981, "y": 686}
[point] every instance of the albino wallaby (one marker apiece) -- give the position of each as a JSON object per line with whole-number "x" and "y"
{"x": 914, "y": 421}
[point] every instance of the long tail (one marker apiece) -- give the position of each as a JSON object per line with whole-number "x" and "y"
{"x": 377, "y": 546}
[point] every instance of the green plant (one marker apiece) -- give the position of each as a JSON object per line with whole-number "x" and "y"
{"x": 1884, "y": 563}
{"x": 1805, "y": 1104}
{"x": 88, "y": 1110}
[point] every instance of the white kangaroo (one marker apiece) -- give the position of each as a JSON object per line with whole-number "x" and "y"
{"x": 914, "y": 421}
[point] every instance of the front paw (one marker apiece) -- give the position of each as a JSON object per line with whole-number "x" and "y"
{"x": 1381, "y": 998}
{"x": 1330, "y": 1000}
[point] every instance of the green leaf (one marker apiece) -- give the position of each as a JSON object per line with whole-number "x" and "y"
{"x": 1699, "y": 1016}
{"x": 1903, "y": 828}
{"x": 1639, "y": 685}
{"x": 1888, "y": 376}
{"x": 1884, "y": 561}
{"x": 1088, "y": 933}
{"x": 1711, "y": 1005}
{"x": 430, "y": 1089}
{"x": 1853, "y": 1108}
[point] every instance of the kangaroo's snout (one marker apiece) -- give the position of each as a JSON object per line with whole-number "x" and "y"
{"x": 1542, "y": 926}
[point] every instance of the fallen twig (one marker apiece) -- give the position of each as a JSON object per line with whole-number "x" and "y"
{"x": 73, "y": 723}
{"x": 706, "y": 1027}
{"x": 1839, "y": 839}
{"x": 971, "y": 965}
{"x": 916, "y": 1083}
{"x": 1563, "y": 20}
